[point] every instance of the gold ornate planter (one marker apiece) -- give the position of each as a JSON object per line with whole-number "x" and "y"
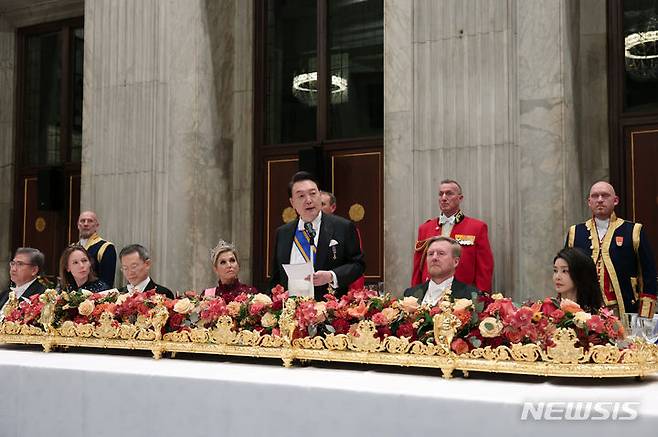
{"x": 564, "y": 359}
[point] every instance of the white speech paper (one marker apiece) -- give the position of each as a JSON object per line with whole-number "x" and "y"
{"x": 297, "y": 284}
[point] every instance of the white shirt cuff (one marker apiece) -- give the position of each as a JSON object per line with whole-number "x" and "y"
{"x": 334, "y": 282}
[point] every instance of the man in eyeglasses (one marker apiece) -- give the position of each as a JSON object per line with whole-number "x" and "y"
{"x": 24, "y": 271}
{"x": 136, "y": 265}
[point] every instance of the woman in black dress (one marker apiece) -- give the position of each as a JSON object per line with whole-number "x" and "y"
{"x": 76, "y": 271}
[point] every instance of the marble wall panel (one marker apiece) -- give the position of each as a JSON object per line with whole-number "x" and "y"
{"x": 539, "y": 48}
{"x": 158, "y": 128}
{"x": 7, "y": 53}
{"x": 398, "y": 55}
{"x": 399, "y": 77}
{"x": 399, "y": 205}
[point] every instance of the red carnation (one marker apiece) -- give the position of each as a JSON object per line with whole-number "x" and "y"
{"x": 407, "y": 330}
{"x": 341, "y": 326}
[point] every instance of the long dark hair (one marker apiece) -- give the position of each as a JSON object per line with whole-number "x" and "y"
{"x": 65, "y": 277}
{"x": 583, "y": 274}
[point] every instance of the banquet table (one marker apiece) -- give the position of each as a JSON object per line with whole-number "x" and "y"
{"x": 100, "y": 393}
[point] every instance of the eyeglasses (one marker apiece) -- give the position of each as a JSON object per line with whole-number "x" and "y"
{"x": 18, "y": 264}
{"x": 131, "y": 268}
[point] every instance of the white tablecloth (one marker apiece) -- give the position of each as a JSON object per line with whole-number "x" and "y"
{"x": 80, "y": 393}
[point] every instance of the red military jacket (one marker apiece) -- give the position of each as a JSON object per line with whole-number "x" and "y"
{"x": 476, "y": 263}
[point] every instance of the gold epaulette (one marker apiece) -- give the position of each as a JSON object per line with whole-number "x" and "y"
{"x": 421, "y": 245}
{"x": 102, "y": 249}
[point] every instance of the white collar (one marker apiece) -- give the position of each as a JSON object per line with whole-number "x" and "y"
{"x": 19, "y": 291}
{"x": 435, "y": 291}
{"x": 141, "y": 286}
{"x": 602, "y": 226}
{"x": 315, "y": 223}
{"x": 443, "y": 219}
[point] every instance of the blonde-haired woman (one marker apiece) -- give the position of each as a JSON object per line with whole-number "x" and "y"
{"x": 225, "y": 263}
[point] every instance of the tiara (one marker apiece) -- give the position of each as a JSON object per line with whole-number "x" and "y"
{"x": 222, "y": 246}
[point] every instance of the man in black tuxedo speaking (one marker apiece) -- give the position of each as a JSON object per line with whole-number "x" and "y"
{"x": 329, "y": 240}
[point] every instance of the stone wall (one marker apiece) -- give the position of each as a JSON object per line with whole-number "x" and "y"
{"x": 166, "y": 152}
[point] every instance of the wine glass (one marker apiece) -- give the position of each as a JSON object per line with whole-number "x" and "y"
{"x": 644, "y": 327}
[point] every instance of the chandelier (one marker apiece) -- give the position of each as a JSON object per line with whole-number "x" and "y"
{"x": 305, "y": 88}
{"x": 641, "y": 53}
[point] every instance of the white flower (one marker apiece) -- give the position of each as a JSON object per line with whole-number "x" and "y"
{"x": 86, "y": 307}
{"x": 580, "y": 319}
{"x": 184, "y": 306}
{"x": 462, "y": 304}
{"x": 262, "y": 298}
{"x": 121, "y": 298}
{"x": 409, "y": 304}
{"x": 268, "y": 320}
{"x": 490, "y": 327}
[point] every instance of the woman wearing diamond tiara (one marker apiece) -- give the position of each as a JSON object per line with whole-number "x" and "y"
{"x": 225, "y": 263}
{"x": 575, "y": 278}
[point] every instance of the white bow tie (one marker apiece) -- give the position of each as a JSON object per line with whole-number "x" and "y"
{"x": 449, "y": 220}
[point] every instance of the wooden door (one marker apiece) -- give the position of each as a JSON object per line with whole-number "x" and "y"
{"x": 642, "y": 182}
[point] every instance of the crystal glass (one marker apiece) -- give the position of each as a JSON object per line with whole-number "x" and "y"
{"x": 645, "y": 328}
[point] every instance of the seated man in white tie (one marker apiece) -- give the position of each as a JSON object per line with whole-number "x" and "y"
{"x": 442, "y": 259}
{"x": 135, "y": 266}
{"x": 24, "y": 271}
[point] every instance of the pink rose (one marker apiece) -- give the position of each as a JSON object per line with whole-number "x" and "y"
{"x": 379, "y": 319}
{"x": 459, "y": 346}
{"x": 596, "y": 324}
{"x": 256, "y": 308}
{"x": 242, "y": 297}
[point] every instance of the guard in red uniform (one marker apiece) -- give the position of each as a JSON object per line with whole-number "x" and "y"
{"x": 476, "y": 262}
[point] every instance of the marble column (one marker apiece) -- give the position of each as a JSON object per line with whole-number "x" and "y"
{"x": 7, "y": 56}
{"x": 161, "y": 165}
{"x": 491, "y": 94}
{"x": 592, "y": 98}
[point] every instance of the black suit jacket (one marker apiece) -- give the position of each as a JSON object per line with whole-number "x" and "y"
{"x": 150, "y": 286}
{"x": 35, "y": 288}
{"x": 345, "y": 259}
{"x": 459, "y": 290}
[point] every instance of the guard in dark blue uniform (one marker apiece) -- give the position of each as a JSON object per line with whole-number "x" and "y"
{"x": 102, "y": 251}
{"x": 622, "y": 254}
